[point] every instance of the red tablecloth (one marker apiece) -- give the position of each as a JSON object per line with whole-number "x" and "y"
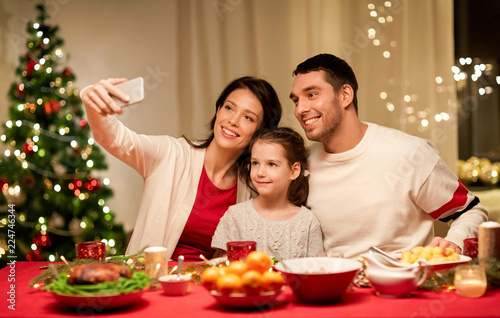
{"x": 360, "y": 302}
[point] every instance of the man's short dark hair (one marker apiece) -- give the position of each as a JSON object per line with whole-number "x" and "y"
{"x": 338, "y": 72}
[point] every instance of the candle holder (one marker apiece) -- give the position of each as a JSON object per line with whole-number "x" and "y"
{"x": 471, "y": 247}
{"x": 90, "y": 250}
{"x": 156, "y": 264}
{"x": 238, "y": 250}
{"x": 470, "y": 281}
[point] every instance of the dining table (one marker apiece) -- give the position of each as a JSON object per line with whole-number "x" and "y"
{"x": 19, "y": 299}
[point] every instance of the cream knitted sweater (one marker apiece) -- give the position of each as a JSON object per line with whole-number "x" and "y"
{"x": 298, "y": 236}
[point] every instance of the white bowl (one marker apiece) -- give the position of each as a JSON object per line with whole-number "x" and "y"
{"x": 396, "y": 283}
{"x": 319, "y": 279}
{"x": 175, "y": 285}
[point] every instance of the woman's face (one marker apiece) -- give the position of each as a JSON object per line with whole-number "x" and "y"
{"x": 237, "y": 120}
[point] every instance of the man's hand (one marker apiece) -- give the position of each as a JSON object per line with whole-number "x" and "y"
{"x": 441, "y": 242}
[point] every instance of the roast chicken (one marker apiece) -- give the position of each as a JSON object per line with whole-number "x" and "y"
{"x": 96, "y": 273}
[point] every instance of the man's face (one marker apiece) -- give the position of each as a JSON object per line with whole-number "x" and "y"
{"x": 317, "y": 106}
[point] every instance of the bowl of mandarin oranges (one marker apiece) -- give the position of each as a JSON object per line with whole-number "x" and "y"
{"x": 245, "y": 283}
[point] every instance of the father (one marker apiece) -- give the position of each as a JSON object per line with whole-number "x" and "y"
{"x": 369, "y": 184}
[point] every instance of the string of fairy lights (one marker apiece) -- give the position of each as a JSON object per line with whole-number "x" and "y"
{"x": 466, "y": 68}
{"x": 383, "y": 15}
{"x": 472, "y": 75}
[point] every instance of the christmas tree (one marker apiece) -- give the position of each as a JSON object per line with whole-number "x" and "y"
{"x": 51, "y": 197}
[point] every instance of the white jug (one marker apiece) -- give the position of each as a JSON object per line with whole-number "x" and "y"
{"x": 391, "y": 279}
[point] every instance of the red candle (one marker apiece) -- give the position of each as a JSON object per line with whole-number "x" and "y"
{"x": 91, "y": 250}
{"x": 239, "y": 249}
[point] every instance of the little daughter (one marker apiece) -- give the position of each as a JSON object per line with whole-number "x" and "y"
{"x": 277, "y": 218}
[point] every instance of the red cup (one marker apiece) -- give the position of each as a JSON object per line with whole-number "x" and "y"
{"x": 237, "y": 250}
{"x": 470, "y": 247}
{"x": 90, "y": 250}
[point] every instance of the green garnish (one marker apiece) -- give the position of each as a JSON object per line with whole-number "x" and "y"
{"x": 123, "y": 285}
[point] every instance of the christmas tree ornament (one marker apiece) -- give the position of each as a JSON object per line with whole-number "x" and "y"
{"x": 484, "y": 162}
{"x": 490, "y": 175}
{"x": 3, "y": 183}
{"x": 20, "y": 89}
{"x": 14, "y": 194}
{"x": 28, "y": 181}
{"x": 66, "y": 72}
{"x": 42, "y": 240}
{"x": 474, "y": 161}
{"x": 35, "y": 255}
{"x": 29, "y": 68}
{"x": 56, "y": 221}
{"x": 27, "y": 148}
{"x": 469, "y": 173}
{"x": 51, "y": 107}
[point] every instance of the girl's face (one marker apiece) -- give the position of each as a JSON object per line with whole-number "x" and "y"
{"x": 270, "y": 171}
{"x": 237, "y": 120}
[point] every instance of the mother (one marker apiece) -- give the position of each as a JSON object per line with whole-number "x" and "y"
{"x": 188, "y": 186}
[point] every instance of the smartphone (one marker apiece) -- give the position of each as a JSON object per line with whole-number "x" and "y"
{"x": 134, "y": 88}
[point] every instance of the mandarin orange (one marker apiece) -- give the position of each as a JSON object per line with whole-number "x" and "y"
{"x": 272, "y": 280}
{"x": 237, "y": 267}
{"x": 229, "y": 283}
{"x": 252, "y": 281}
{"x": 259, "y": 261}
{"x": 209, "y": 277}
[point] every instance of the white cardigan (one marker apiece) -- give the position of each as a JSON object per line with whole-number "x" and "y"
{"x": 171, "y": 170}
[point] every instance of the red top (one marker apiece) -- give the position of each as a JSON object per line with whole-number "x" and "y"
{"x": 210, "y": 205}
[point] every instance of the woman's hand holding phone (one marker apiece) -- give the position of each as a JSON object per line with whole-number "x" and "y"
{"x": 108, "y": 96}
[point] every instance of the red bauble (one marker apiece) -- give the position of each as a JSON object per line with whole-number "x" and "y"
{"x": 29, "y": 68}
{"x": 28, "y": 181}
{"x": 35, "y": 255}
{"x": 20, "y": 89}
{"x": 51, "y": 107}
{"x": 42, "y": 240}
{"x": 92, "y": 185}
{"x": 67, "y": 72}
{"x": 76, "y": 184}
{"x": 28, "y": 149}
{"x": 3, "y": 181}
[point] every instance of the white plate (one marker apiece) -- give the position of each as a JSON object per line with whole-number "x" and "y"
{"x": 99, "y": 302}
{"x": 443, "y": 265}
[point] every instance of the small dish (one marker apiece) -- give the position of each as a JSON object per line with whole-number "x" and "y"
{"x": 396, "y": 283}
{"x": 242, "y": 301}
{"x": 175, "y": 285}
